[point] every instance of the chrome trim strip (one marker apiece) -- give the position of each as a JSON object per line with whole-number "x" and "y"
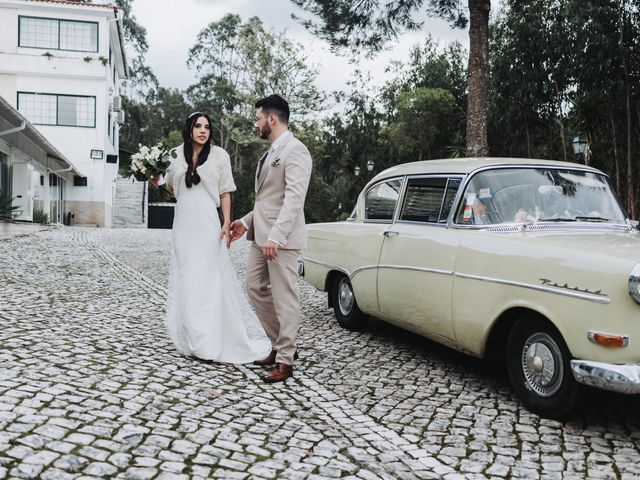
{"x": 591, "y": 335}
{"x": 417, "y": 269}
{"x": 361, "y": 269}
{"x": 554, "y": 227}
{"x": 616, "y": 378}
{"x": 540, "y": 288}
{"x": 326, "y": 265}
{"x": 557, "y": 291}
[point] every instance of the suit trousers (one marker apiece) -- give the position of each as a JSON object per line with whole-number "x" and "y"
{"x": 272, "y": 290}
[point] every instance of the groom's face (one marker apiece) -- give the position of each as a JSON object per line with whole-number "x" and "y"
{"x": 262, "y": 123}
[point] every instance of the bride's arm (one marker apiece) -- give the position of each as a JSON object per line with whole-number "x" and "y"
{"x": 225, "y": 205}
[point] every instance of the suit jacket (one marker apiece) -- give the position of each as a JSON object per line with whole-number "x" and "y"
{"x": 278, "y": 212}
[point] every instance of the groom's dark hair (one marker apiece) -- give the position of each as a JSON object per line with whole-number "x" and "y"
{"x": 275, "y": 104}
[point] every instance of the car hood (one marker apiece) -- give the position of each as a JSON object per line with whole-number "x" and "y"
{"x": 595, "y": 250}
{"x": 609, "y": 243}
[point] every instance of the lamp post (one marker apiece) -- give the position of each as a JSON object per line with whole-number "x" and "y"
{"x": 580, "y": 146}
{"x": 356, "y": 172}
{"x": 370, "y": 165}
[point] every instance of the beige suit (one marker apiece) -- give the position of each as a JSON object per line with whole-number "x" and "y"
{"x": 278, "y": 215}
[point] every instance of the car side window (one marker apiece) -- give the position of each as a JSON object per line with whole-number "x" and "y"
{"x": 429, "y": 200}
{"x": 380, "y": 201}
{"x": 453, "y": 184}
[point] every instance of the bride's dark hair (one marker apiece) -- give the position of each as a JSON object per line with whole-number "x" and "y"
{"x": 192, "y": 177}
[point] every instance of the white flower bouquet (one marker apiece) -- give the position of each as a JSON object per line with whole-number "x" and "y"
{"x": 150, "y": 164}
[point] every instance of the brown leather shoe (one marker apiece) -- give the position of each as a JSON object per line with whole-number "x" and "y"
{"x": 271, "y": 359}
{"x": 268, "y": 360}
{"x": 280, "y": 373}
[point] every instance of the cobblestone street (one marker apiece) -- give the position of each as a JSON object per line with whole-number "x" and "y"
{"x": 91, "y": 387}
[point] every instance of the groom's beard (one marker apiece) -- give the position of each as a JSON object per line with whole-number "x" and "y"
{"x": 265, "y": 132}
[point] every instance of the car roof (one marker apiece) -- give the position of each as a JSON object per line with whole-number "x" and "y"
{"x": 463, "y": 166}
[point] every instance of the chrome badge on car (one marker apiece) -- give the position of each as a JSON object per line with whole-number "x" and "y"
{"x": 550, "y": 283}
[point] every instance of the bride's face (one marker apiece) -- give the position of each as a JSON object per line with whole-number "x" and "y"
{"x": 201, "y": 131}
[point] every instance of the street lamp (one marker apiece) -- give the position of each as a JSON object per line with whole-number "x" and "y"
{"x": 370, "y": 165}
{"x": 356, "y": 170}
{"x": 579, "y": 144}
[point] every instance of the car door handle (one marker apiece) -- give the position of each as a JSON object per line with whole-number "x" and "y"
{"x": 390, "y": 233}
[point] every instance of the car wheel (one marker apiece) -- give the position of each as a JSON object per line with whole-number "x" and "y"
{"x": 344, "y": 304}
{"x": 538, "y": 362}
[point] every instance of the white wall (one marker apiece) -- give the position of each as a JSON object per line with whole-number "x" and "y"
{"x": 66, "y": 72}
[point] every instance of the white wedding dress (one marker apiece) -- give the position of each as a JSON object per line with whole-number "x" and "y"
{"x": 208, "y": 315}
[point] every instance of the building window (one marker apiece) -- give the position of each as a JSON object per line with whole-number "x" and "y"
{"x": 57, "y": 34}
{"x": 53, "y": 109}
{"x": 79, "y": 181}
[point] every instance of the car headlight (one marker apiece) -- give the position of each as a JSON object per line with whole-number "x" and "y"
{"x": 634, "y": 284}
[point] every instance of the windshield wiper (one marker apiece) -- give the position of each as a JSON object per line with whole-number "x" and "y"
{"x": 557, "y": 219}
{"x": 592, "y": 219}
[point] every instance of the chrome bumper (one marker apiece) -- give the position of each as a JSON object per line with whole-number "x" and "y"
{"x": 617, "y": 378}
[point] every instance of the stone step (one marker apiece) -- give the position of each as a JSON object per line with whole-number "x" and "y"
{"x": 130, "y": 201}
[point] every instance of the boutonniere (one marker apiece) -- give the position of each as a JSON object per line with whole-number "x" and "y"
{"x": 275, "y": 162}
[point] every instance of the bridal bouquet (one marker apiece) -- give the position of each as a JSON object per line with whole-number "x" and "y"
{"x": 150, "y": 164}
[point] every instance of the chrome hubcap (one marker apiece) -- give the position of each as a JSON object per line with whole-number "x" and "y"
{"x": 542, "y": 364}
{"x": 345, "y": 297}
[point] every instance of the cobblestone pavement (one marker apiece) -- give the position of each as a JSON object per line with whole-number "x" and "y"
{"x": 90, "y": 387}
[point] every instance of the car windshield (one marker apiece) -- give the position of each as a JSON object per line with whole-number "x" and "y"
{"x": 526, "y": 195}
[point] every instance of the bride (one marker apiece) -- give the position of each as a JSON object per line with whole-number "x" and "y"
{"x": 208, "y": 315}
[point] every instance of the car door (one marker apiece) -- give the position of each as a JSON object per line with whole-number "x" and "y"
{"x": 363, "y": 240}
{"x": 415, "y": 273}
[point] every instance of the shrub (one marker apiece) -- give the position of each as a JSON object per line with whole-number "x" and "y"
{"x": 40, "y": 216}
{"x": 7, "y": 209}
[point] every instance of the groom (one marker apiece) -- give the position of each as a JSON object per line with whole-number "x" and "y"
{"x": 277, "y": 228}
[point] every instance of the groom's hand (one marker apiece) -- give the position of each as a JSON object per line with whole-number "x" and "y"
{"x": 270, "y": 250}
{"x": 237, "y": 230}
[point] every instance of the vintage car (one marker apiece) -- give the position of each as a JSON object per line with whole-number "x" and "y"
{"x": 531, "y": 260}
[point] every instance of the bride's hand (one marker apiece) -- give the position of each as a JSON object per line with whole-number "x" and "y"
{"x": 225, "y": 231}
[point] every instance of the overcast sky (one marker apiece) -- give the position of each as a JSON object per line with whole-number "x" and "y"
{"x": 172, "y": 30}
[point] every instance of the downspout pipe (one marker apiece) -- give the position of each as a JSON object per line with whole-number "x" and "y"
{"x": 14, "y": 130}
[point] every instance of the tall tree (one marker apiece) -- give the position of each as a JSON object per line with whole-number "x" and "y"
{"x": 141, "y": 77}
{"x": 369, "y": 24}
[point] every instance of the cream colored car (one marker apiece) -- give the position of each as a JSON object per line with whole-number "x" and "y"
{"x": 531, "y": 260}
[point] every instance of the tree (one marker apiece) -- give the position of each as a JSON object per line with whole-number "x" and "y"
{"x": 582, "y": 76}
{"x": 141, "y": 77}
{"x": 236, "y": 63}
{"x": 429, "y": 69}
{"x": 368, "y": 24}
{"x": 426, "y": 120}
{"x": 531, "y": 86}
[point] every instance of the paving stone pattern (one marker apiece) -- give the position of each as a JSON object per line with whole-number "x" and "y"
{"x": 90, "y": 387}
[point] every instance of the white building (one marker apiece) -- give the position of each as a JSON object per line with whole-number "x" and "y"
{"x": 61, "y": 62}
{"x": 32, "y": 170}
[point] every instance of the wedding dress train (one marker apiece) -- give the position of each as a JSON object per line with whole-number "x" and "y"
{"x": 208, "y": 315}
